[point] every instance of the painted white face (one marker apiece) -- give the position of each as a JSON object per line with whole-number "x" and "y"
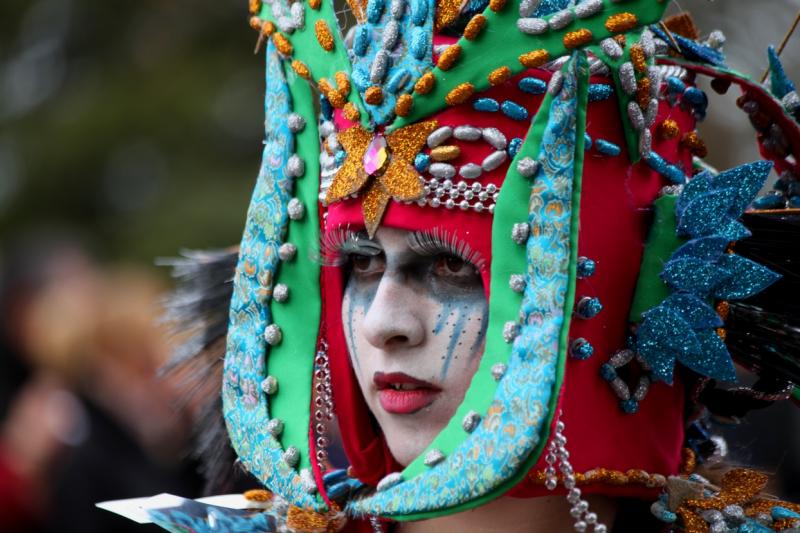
{"x": 414, "y": 315}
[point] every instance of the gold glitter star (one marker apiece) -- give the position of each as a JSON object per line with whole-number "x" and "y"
{"x": 390, "y": 164}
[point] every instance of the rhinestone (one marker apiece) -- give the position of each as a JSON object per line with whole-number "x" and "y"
{"x": 270, "y": 385}
{"x": 471, "y": 421}
{"x": 296, "y": 209}
{"x": 273, "y": 334}
{"x": 433, "y": 457}
{"x": 275, "y": 427}
{"x": 510, "y": 331}
{"x": 280, "y": 293}
{"x": 498, "y": 370}
{"x": 520, "y": 232}
{"x": 287, "y": 251}
{"x": 376, "y": 157}
{"x": 390, "y": 481}
{"x": 291, "y": 456}
{"x": 517, "y": 282}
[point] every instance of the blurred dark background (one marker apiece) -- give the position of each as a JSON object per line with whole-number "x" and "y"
{"x": 130, "y": 130}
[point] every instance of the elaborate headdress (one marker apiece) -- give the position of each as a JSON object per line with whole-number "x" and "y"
{"x": 558, "y": 138}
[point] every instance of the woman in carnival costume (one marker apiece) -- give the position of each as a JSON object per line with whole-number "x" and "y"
{"x": 484, "y": 251}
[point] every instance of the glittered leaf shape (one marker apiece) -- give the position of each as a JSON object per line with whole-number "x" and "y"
{"x": 406, "y": 142}
{"x": 732, "y": 230}
{"x": 696, "y": 312}
{"x": 713, "y": 360}
{"x": 748, "y": 278}
{"x": 704, "y": 215}
{"x": 780, "y": 84}
{"x": 704, "y": 248}
{"x": 663, "y": 337}
{"x": 747, "y": 179}
{"x": 401, "y": 181}
{"x": 697, "y": 187}
{"x": 693, "y": 275}
{"x": 373, "y": 206}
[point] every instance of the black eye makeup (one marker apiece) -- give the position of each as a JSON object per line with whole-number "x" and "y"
{"x": 439, "y": 242}
{"x": 339, "y": 245}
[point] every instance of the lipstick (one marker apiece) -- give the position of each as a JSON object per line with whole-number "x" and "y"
{"x": 402, "y": 394}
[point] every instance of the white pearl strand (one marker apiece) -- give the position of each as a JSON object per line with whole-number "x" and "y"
{"x": 557, "y": 455}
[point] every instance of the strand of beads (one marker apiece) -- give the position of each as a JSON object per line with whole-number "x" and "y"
{"x": 323, "y": 404}
{"x": 558, "y": 456}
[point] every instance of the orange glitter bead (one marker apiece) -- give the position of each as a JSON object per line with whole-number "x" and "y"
{"x": 282, "y": 43}
{"x": 688, "y": 461}
{"x": 499, "y": 75}
{"x": 255, "y": 6}
{"x": 324, "y": 36}
{"x": 638, "y": 58}
{"x": 497, "y": 5}
{"x": 723, "y": 309}
{"x": 535, "y": 58}
{"x": 403, "y": 105}
{"x": 425, "y": 83}
{"x": 350, "y": 112}
{"x": 621, "y": 41}
{"x": 342, "y": 83}
{"x": 256, "y": 23}
{"x": 301, "y": 69}
{"x": 447, "y": 12}
{"x": 621, "y": 22}
{"x": 449, "y": 57}
{"x": 574, "y": 39}
{"x": 258, "y": 495}
{"x": 460, "y": 94}
{"x": 373, "y": 95}
{"x": 694, "y": 144}
{"x": 314, "y": 4}
{"x": 668, "y": 129}
{"x": 474, "y": 27}
{"x": 643, "y": 93}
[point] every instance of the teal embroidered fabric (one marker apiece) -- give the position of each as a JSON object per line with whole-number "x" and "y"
{"x": 245, "y": 406}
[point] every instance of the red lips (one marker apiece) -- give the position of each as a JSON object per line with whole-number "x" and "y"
{"x": 402, "y": 394}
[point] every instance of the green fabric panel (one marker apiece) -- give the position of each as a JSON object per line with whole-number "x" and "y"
{"x": 321, "y": 63}
{"x": 509, "y": 258}
{"x": 796, "y": 394}
{"x": 494, "y": 48}
{"x": 292, "y": 361}
{"x": 661, "y": 243}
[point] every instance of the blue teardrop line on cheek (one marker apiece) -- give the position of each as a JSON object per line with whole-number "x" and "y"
{"x": 458, "y": 326}
{"x": 351, "y": 340}
{"x": 476, "y": 346}
{"x": 447, "y": 310}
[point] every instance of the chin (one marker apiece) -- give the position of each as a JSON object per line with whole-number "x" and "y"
{"x": 407, "y": 442}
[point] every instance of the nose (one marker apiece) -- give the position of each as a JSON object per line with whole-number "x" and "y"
{"x": 395, "y": 318}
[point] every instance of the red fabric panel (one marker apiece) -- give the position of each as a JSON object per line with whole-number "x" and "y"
{"x": 614, "y": 223}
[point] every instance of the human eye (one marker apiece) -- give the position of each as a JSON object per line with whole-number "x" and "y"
{"x": 365, "y": 265}
{"x": 453, "y": 261}
{"x": 455, "y": 269}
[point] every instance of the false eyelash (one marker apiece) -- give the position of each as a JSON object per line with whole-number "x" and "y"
{"x": 337, "y": 244}
{"x": 439, "y": 241}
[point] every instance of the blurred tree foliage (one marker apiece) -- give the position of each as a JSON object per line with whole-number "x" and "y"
{"x": 136, "y": 124}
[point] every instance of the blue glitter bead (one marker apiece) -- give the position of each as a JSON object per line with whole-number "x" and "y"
{"x": 514, "y": 146}
{"x": 675, "y": 85}
{"x": 794, "y": 201}
{"x": 606, "y": 147}
{"x": 782, "y": 513}
{"x": 325, "y": 108}
{"x": 374, "y": 10}
{"x": 674, "y": 174}
{"x": 586, "y": 267}
{"x": 588, "y": 307}
{"x": 514, "y": 111}
{"x": 629, "y": 406}
{"x": 695, "y": 97}
{"x": 587, "y": 142}
{"x": 656, "y": 162}
{"x": 608, "y": 372}
{"x": 486, "y": 104}
{"x": 532, "y": 85}
{"x": 548, "y": 7}
{"x": 419, "y": 12}
{"x": 340, "y": 157}
{"x": 422, "y": 162}
{"x": 600, "y": 91}
{"x": 771, "y": 200}
{"x": 361, "y": 79}
{"x": 398, "y": 80}
{"x": 361, "y": 40}
{"x": 581, "y": 349}
{"x": 418, "y": 44}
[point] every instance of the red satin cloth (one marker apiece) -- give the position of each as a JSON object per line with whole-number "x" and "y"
{"x": 615, "y": 218}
